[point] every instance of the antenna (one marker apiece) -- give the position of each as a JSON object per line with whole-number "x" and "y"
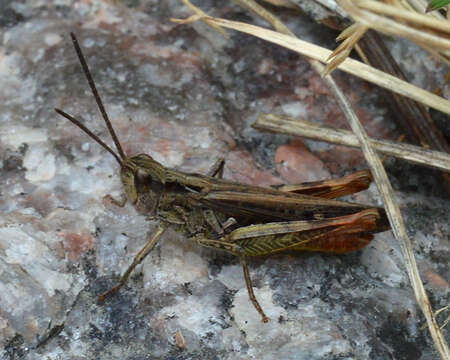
{"x": 90, "y": 133}
{"x": 99, "y": 103}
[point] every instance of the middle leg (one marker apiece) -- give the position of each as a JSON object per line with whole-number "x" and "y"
{"x": 217, "y": 168}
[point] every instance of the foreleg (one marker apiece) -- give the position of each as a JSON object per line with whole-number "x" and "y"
{"x": 141, "y": 255}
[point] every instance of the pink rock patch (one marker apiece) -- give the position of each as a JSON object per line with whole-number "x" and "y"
{"x": 241, "y": 167}
{"x": 342, "y": 158}
{"x": 437, "y": 281}
{"x": 76, "y": 244}
{"x": 296, "y": 164}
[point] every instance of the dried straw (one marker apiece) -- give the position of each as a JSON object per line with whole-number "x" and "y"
{"x": 300, "y": 127}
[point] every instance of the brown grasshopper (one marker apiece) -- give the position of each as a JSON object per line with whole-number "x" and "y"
{"x": 244, "y": 220}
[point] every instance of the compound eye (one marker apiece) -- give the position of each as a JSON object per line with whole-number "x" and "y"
{"x": 142, "y": 179}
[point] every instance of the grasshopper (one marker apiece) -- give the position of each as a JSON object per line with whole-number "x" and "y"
{"x": 243, "y": 220}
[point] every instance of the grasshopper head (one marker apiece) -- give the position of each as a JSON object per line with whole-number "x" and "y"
{"x": 142, "y": 178}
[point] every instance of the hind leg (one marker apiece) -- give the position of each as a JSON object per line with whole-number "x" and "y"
{"x": 235, "y": 250}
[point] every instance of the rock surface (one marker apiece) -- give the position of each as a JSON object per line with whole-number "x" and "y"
{"x": 186, "y": 96}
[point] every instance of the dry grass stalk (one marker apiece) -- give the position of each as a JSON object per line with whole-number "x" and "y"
{"x": 401, "y": 14}
{"x": 406, "y": 22}
{"x": 282, "y": 3}
{"x": 350, "y": 37}
{"x": 198, "y": 14}
{"x": 429, "y": 31}
{"x": 300, "y": 127}
{"x": 447, "y": 320}
{"x": 351, "y": 66}
{"x": 261, "y": 11}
